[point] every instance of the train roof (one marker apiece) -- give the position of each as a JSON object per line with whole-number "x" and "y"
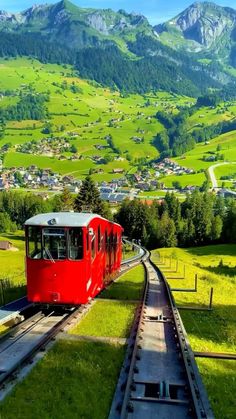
{"x": 63, "y": 219}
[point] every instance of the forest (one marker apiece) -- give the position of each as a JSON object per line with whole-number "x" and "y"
{"x": 107, "y": 64}
{"x": 30, "y": 106}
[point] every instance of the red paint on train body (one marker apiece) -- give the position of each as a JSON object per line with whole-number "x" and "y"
{"x": 70, "y": 256}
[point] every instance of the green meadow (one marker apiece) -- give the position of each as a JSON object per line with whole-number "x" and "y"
{"x": 87, "y": 114}
{"x": 224, "y": 144}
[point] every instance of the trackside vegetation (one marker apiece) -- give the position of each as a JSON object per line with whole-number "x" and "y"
{"x": 114, "y": 318}
{"x": 77, "y": 378}
{"x": 202, "y": 218}
{"x": 207, "y": 331}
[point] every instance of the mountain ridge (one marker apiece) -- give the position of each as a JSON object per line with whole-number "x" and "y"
{"x": 133, "y": 43}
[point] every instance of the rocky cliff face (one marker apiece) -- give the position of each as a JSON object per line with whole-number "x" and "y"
{"x": 205, "y": 23}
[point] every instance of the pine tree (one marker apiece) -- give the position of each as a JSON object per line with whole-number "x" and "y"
{"x": 167, "y": 231}
{"x": 88, "y": 199}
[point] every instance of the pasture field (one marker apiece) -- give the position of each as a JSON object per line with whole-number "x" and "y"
{"x": 213, "y": 331}
{"x": 184, "y": 180}
{"x": 209, "y": 116}
{"x": 225, "y": 170}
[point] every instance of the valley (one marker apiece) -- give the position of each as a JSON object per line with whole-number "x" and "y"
{"x": 90, "y": 129}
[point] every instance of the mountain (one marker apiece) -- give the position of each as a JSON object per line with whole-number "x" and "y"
{"x": 118, "y": 49}
{"x": 74, "y": 26}
{"x": 203, "y": 28}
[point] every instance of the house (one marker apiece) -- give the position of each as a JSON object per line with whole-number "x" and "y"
{"x": 3, "y": 184}
{"x": 144, "y": 186}
{"x": 118, "y": 170}
{"x": 5, "y": 245}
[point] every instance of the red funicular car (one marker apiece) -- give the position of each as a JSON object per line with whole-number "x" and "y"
{"x": 70, "y": 256}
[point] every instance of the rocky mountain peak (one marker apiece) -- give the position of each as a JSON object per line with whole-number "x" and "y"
{"x": 203, "y": 22}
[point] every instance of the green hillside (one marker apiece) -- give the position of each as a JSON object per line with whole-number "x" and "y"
{"x": 83, "y": 113}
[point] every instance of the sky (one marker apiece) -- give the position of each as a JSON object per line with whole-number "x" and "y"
{"x": 155, "y": 10}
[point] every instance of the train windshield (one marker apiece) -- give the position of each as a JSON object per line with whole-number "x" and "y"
{"x": 54, "y": 243}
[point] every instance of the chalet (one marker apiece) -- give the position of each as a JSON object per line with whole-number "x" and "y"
{"x": 5, "y": 245}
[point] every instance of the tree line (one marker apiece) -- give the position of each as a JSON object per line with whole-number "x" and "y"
{"x": 201, "y": 219}
{"x": 16, "y": 208}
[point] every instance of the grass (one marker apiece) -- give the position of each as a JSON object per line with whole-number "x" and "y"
{"x": 129, "y": 286}
{"x": 184, "y": 180}
{"x": 114, "y": 318}
{"x": 75, "y": 379}
{"x": 107, "y": 319}
{"x": 229, "y": 170}
{"x": 194, "y": 158}
{"x": 219, "y": 379}
{"x": 208, "y": 331}
{"x": 12, "y": 263}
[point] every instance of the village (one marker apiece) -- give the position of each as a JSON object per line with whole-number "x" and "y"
{"x": 127, "y": 186}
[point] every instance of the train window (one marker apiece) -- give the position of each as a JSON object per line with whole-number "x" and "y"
{"x": 75, "y": 243}
{"x": 54, "y": 243}
{"x": 99, "y": 238}
{"x": 87, "y": 241}
{"x": 93, "y": 250}
{"x": 34, "y": 244}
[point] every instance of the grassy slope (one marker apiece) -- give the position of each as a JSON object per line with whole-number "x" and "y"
{"x": 208, "y": 331}
{"x": 193, "y": 158}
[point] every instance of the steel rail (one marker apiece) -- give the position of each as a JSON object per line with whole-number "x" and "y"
{"x": 41, "y": 340}
{"x": 139, "y": 391}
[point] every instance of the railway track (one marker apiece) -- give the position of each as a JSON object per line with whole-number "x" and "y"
{"x": 22, "y": 342}
{"x": 159, "y": 378}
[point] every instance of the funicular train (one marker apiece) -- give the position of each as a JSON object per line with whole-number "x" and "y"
{"x": 70, "y": 256}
